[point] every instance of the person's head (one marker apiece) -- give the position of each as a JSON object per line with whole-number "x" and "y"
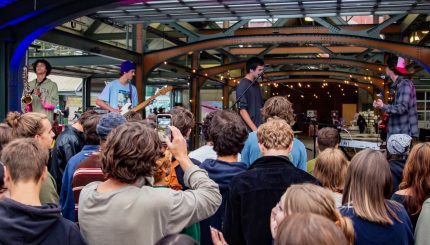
{"x": 254, "y": 66}
{"x": 309, "y": 229}
{"x": 398, "y": 145}
{"x": 275, "y": 134}
{"x": 228, "y": 133}
{"x": 278, "y": 106}
{"x": 90, "y": 134}
{"x": 130, "y": 152}
{"x": 183, "y": 119}
{"x": 84, "y": 116}
{"x": 42, "y": 66}
{"x": 177, "y": 239}
{"x": 31, "y": 125}
{"x": 5, "y": 135}
{"x": 327, "y": 138}
{"x": 107, "y": 123}
{"x": 330, "y": 169}
{"x": 25, "y": 160}
{"x": 304, "y": 198}
{"x": 368, "y": 185}
{"x": 396, "y": 66}
{"x": 128, "y": 69}
{"x": 132, "y": 116}
{"x": 206, "y": 126}
{"x": 416, "y": 177}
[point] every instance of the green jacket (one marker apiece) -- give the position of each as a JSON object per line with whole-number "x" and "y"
{"x": 49, "y": 92}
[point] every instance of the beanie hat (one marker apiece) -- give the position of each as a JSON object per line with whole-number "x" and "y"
{"x": 108, "y": 122}
{"x": 127, "y": 66}
{"x": 398, "y": 144}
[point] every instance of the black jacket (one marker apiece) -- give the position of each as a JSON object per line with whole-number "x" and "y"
{"x": 253, "y": 194}
{"x": 396, "y": 167}
{"x": 24, "y": 224}
{"x": 68, "y": 143}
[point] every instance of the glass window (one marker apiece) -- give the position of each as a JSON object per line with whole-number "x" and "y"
{"x": 421, "y": 95}
{"x": 421, "y": 115}
{"x": 421, "y": 105}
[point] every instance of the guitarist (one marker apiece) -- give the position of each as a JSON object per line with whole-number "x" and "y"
{"x": 403, "y": 111}
{"x": 119, "y": 92}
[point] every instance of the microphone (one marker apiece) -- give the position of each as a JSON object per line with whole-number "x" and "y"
{"x": 342, "y": 129}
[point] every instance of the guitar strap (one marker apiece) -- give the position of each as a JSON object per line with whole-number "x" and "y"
{"x": 131, "y": 93}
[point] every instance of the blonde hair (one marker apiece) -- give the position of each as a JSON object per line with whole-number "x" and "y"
{"x": 330, "y": 169}
{"x": 368, "y": 185}
{"x": 309, "y": 229}
{"x": 26, "y": 125}
{"x": 315, "y": 199}
{"x": 278, "y": 106}
{"x": 275, "y": 134}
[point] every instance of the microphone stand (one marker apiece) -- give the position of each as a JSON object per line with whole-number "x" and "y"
{"x": 244, "y": 92}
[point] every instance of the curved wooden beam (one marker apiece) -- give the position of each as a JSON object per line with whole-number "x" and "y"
{"x": 365, "y": 86}
{"x": 420, "y": 54}
{"x": 363, "y": 79}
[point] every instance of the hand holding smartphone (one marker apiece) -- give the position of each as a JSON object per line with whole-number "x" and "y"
{"x": 163, "y": 123}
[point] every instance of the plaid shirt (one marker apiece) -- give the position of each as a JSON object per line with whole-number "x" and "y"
{"x": 403, "y": 110}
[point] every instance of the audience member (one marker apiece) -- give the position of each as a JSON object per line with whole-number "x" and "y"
{"x": 23, "y": 217}
{"x": 128, "y": 161}
{"x": 36, "y": 125}
{"x": 330, "y": 170}
{"x": 376, "y": 219}
{"x": 67, "y": 144}
{"x": 254, "y": 193}
{"x": 276, "y": 107}
{"x": 132, "y": 116}
{"x": 91, "y": 144}
{"x": 309, "y": 229}
{"x": 90, "y": 169}
{"x": 206, "y": 151}
{"x": 415, "y": 186}
{"x": 327, "y": 138}
{"x": 183, "y": 120}
{"x": 398, "y": 150}
{"x": 310, "y": 198}
{"x": 422, "y": 235}
{"x": 5, "y": 137}
{"x": 177, "y": 239}
{"x": 228, "y": 133}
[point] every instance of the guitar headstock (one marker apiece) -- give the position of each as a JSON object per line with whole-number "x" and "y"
{"x": 164, "y": 90}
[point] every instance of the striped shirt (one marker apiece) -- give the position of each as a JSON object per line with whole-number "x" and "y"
{"x": 87, "y": 171}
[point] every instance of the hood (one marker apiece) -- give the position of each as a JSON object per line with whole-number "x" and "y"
{"x": 222, "y": 172}
{"x": 26, "y": 224}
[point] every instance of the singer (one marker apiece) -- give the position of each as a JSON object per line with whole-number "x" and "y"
{"x": 249, "y": 94}
{"x": 403, "y": 116}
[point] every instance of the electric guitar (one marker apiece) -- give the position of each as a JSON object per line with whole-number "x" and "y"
{"x": 127, "y": 107}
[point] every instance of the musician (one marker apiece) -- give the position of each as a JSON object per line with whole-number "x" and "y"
{"x": 119, "y": 92}
{"x": 252, "y": 100}
{"x": 403, "y": 116}
{"x": 43, "y": 91}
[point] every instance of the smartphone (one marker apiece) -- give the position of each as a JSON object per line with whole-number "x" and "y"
{"x": 163, "y": 123}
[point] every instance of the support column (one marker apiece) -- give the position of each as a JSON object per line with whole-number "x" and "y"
{"x": 86, "y": 93}
{"x": 225, "y": 98}
{"x": 3, "y": 81}
{"x": 195, "y": 97}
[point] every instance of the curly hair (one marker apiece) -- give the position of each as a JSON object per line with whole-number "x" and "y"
{"x": 416, "y": 177}
{"x": 133, "y": 116}
{"x": 228, "y": 133}
{"x": 5, "y": 135}
{"x": 206, "y": 126}
{"x": 278, "y": 106}
{"x": 275, "y": 134}
{"x": 183, "y": 119}
{"x": 130, "y": 152}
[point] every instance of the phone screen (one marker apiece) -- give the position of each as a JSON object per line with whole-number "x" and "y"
{"x": 163, "y": 122}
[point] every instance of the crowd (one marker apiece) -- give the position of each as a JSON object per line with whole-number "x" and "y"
{"x": 111, "y": 179}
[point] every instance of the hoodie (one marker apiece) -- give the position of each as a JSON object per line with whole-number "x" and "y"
{"x": 25, "y": 224}
{"x": 221, "y": 172}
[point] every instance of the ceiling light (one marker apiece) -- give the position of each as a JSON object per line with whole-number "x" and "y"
{"x": 308, "y": 19}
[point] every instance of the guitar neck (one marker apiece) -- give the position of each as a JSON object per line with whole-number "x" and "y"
{"x": 143, "y": 104}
